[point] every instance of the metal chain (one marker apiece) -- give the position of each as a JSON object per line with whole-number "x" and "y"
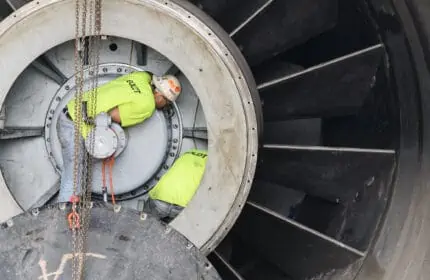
{"x": 94, "y": 61}
{"x": 85, "y": 10}
{"x": 79, "y": 34}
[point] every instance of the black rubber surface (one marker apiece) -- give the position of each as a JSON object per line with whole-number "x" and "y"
{"x": 121, "y": 246}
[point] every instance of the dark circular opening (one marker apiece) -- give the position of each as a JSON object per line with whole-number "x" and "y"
{"x": 113, "y": 47}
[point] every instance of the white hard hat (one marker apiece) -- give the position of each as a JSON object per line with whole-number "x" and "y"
{"x": 168, "y": 85}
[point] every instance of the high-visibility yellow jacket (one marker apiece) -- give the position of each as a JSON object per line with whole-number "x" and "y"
{"x": 181, "y": 181}
{"x": 131, "y": 93}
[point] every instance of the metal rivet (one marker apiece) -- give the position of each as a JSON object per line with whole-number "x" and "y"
{"x": 117, "y": 208}
{"x": 58, "y": 98}
{"x": 143, "y": 216}
{"x": 48, "y": 140}
{"x": 175, "y": 140}
{"x": 166, "y": 166}
{"x": 105, "y": 69}
{"x": 172, "y": 154}
{"x": 119, "y": 70}
{"x": 167, "y": 230}
{"x": 67, "y": 87}
{"x": 35, "y": 212}
{"x": 51, "y": 111}
{"x": 62, "y": 206}
{"x": 189, "y": 245}
{"x": 175, "y": 126}
{"x": 9, "y": 223}
{"x": 174, "y": 147}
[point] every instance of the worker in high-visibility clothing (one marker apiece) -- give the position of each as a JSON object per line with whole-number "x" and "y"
{"x": 129, "y": 100}
{"x": 177, "y": 186}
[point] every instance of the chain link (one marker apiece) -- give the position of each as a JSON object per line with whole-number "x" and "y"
{"x": 86, "y": 10}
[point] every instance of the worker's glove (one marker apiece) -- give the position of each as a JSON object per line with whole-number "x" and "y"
{"x": 65, "y": 131}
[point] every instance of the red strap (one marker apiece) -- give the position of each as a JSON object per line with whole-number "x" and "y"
{"x": 110, "y": 162}
{"x": 73, "y": 218}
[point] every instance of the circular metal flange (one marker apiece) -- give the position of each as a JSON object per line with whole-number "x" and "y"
{"x": 151, "y": 149}
{"x": 209, "y": 59}
{"x": 121, "y": 137}
{"x": 105, "y": 143}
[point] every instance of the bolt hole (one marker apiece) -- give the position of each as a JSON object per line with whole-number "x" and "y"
{"x": 240, "y": 205}
{"x": 253, "y": 128}
{"x": 210, "y": 34}
{"x": 200, "y": 69}
{"x": 189, "y": 16}
{"x": 113, "y": 47}
{"x": 253, "y": 155}
{"x": 240, "y": 78}
{"x": 226, "y": 54}
{"x": 249, "y": 102}
{"x": 165, "y": 3}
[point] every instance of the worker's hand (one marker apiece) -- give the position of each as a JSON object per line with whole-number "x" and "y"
{"x": 115, "y": 115}
{"x": 160, "y": 100}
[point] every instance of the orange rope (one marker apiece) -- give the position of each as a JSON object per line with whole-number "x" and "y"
{"x": 110, "y": 162}
{"x": 104, "y": 174}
